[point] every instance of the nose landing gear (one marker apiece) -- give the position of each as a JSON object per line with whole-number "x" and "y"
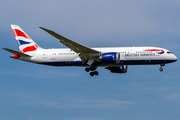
{"x": 161, "y": 69}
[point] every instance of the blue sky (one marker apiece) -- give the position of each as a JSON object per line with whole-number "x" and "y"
{"x": 36, "y": 92}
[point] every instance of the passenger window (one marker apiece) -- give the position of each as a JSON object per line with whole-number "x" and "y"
{"x": 168, "y": 52}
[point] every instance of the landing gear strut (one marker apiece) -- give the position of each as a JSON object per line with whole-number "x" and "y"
{"x": 93, "y": 71}
{"x": 161, "y": 69}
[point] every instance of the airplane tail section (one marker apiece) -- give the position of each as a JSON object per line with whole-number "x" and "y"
{"x": 16, "y": 53}
{"x": 26, "y": 44}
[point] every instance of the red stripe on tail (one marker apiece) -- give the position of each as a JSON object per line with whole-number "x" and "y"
{"x": 19, "y": 33}
{"x": 29, "y": 49}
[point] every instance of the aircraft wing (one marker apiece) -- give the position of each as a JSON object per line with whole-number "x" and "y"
{"x": 84, "y": 52}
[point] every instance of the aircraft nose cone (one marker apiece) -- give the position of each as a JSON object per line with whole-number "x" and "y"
{"x": 171, "y": 58}
{"x": 175, "y": 58}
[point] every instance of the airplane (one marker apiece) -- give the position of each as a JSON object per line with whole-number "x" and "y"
{"x": 115, "y": 59}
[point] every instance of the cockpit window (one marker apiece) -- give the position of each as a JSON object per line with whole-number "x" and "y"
{"x": 168, "y": 52}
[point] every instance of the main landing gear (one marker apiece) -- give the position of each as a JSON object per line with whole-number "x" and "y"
{"x": 161, "y": 69}
{"x": 93, "y": 71}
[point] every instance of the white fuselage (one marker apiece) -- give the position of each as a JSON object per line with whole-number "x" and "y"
{"x": 128, "y": 56}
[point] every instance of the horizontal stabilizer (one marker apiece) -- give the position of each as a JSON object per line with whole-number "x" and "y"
{"x": 16, "y": 52}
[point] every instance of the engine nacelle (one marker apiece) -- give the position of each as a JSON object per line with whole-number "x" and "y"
{"x": 118, "y": 69}
{"x": 111, "y": 57}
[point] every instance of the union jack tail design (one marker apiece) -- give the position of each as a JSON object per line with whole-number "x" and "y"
{"x": 26, "y": 44}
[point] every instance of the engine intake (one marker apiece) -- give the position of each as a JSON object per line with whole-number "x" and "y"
{"x": 112, "y": 57}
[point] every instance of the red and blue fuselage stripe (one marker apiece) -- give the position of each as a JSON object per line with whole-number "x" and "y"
{"x": 160, "y": 51}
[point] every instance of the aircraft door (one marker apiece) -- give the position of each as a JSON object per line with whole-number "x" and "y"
{"x": 130, "y": 54}
{"x": 45, "y": 53}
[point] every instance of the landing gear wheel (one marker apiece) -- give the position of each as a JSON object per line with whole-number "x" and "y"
{"x": 92, "y": 68}
{"x": 87, "y": 69}
{"x": 96, "y": 72}
{"x": 92, "y": 73}
{"x": 161, "y": 69}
